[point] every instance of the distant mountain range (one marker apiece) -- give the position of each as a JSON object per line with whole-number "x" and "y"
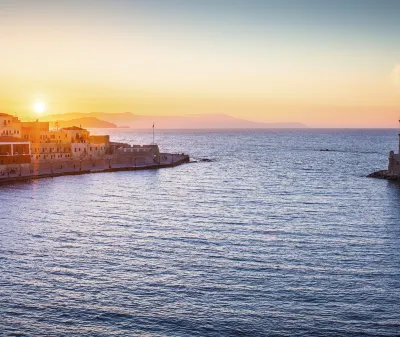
{"x": 127, "y": 119}
{"x": 84, "y": 122}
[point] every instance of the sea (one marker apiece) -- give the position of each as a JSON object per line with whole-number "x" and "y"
{"x": 264, "y": 233}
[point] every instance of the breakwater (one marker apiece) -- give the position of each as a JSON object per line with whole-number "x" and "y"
{"x": 384, "y": 174}
{"x": 52, "y": 169}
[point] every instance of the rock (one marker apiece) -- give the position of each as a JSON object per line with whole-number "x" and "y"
{"x": 383, "y": 174}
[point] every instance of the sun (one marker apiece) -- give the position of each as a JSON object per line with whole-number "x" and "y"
{"x": 39, "y": 107}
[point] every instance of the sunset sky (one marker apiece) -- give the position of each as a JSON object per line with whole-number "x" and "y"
{"x": 323, "y": 63}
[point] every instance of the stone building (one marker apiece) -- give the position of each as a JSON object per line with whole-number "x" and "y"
{"x": 139, "y": 154}
{"x": 14, "y": 155}
{"x": 33, "y": 131}
{"x": 68, "y": 143}
{"x": 394, "y": 161}
{"x": 10, "y": 126}
{"x": 50, "y": 151}
{"x": 99, "y": 146}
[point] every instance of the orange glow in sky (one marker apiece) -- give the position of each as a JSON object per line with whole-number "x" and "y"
{"x": 325, "y": 67}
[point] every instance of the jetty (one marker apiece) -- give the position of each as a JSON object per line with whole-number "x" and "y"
{"x": 29, "y": 150}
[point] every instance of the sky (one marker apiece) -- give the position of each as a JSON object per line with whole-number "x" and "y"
{"x": 323, "y": 63}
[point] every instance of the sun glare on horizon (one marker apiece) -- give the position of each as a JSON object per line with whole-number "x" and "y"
{"x": 39, "y": 107}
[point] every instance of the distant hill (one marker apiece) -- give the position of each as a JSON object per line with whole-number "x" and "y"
{"x": 84, "y": 122}
{"x": 206, "y": 121}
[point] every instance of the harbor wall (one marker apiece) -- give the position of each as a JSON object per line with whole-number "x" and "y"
{"x": 41, "y": 169}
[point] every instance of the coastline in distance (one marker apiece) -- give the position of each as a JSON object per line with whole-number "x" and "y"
{"x": 127, "y": 119}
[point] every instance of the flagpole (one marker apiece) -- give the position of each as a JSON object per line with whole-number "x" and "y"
{"x": 153, "y": 134}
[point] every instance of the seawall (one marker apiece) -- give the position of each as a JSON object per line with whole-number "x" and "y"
{"x": 78, "y": 167}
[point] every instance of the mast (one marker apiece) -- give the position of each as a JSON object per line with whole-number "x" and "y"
{"x": 399, "y": 136}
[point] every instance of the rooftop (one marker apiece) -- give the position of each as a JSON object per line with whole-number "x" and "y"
{"x": 5, "y": 115}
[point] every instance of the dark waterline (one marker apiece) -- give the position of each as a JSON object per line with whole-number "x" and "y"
{"x": 271, "y": 237}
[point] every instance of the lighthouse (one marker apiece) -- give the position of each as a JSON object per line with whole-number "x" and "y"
{"x": 394, "y": 160}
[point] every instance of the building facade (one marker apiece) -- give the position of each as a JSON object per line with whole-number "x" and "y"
{"x": 65, "y": 144}
{"x": 10, "y": 126}
{"x": 14, "y": 151}
{"x": 33, "y": 131}
{"x": 34, "y": 145}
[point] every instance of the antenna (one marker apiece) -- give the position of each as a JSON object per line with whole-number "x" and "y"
{"x": 399, "y": 135}
{"x": 153, "y": 133}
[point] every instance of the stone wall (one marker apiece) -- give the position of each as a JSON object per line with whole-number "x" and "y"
{"x": 394, "y": 163}
{"x": 66, "y": 165}
{"x": 76, "y": 166}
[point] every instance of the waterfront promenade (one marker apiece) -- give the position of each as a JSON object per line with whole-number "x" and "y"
{"x": 72, "y": 166}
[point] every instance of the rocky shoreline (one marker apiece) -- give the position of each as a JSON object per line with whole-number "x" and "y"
{"x": 384, "y": 174}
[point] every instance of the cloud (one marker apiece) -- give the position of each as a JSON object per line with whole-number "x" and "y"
{"x": 395, "y": 74}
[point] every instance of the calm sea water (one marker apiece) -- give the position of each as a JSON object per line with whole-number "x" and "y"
{"x": 272, "y": 237}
